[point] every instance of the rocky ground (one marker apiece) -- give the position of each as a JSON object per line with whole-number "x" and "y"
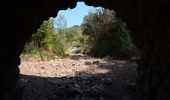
{"x": 79, "y": 78}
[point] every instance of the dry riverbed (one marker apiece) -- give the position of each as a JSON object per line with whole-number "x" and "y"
{"x": 78, "y": 78}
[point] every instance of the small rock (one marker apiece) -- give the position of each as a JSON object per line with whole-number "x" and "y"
{"x": 87, "y": 63}
{"x": 107, "y": 58}
{"x": 96, "y": 62}
{"x": 70, "y": 90}
{"x": 134, "y": 59}
{"x": 42, "y": 67}
{"x": 75, "y": 51}
{"x": 96, "y": 77}
{"x": 77, "y": 90}
{"x": 54, "y": 82}
{"x": 24, "y": 80}
{"x": 97, "y": 89}
{"x": 127, "y": 97}
{"x": 76, "y": 85}
{"x": 84, "y": 81}
{"x": 104, "y": 65}
{"x": 108, "y": 81}
{"x": 73, "y": 64}
{"x": 33, "y": 90}
{"x": 131, "y": 86}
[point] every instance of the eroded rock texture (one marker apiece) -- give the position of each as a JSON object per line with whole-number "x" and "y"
{"x": 148, "y": 20}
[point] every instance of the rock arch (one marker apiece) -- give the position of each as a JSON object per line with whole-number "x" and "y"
{"x": 148, "y": 21}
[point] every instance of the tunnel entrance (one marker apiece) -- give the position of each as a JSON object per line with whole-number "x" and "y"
{"x": 59, "y": 62}
{"x": 147, "y": 20}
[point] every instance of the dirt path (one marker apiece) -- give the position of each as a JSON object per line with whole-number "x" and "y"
{"x": 79, "y": 79}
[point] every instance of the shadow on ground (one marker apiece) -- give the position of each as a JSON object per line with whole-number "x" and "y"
{"x": 117, "y": 84}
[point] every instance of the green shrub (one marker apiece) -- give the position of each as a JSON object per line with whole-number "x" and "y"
{"x": 110, "y": 35}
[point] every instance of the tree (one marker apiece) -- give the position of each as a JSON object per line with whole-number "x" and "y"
{"x": 50, "y": 40}
{"x": 88, "y": 24}
{"x": 61, "y": 24}
{"x": 111, "y": 36}
{"x": 41, "y": 37}
{"x": 46, "y": 29}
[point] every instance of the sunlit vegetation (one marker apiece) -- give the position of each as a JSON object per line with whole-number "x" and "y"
{"x": 110, "y": 35}
{"x": 100, "y": 34}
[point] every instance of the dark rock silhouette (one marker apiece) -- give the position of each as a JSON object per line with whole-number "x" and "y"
{"x": 148, "y": 21}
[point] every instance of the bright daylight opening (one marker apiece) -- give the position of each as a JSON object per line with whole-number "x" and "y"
{"x": 84, "y": 53}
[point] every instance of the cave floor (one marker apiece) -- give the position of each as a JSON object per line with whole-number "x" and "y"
{"x": 78, "y": 78}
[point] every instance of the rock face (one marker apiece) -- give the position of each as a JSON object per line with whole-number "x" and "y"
{"x": 148, "y": 21}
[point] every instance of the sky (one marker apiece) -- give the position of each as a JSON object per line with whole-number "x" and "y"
{"x": 75, "y": 16}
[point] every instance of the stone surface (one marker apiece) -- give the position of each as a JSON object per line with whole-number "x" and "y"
{"x": 148, "y": 21}
{"x": 62, "y": 81}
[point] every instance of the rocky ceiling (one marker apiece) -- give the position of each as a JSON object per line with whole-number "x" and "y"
{"x": 148, "y": 21}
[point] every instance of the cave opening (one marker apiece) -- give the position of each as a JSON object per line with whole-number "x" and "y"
{"x": 63, "y": 62}
{"x": 147, "y": 20}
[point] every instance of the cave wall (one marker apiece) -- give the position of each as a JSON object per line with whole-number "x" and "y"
{"x": 148, "y": 21}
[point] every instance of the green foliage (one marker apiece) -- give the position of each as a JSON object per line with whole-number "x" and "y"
{"x": 55, "y": 45}
{"x": 110, "y": 34}
{"x": 38, "y": 41}
{"x": 46, "y": 29}
{"x": 50, "y": 41}
{"x": 46, "y": 42}
{"x": 100, "y": 34}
